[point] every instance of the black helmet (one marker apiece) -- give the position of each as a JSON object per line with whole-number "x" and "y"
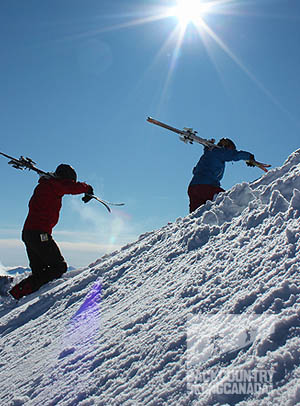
{"x": 65, "y": 171}
{"x": 226, "y": 143}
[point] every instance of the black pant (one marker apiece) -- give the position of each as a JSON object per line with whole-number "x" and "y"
{"x": 45, "y": 259}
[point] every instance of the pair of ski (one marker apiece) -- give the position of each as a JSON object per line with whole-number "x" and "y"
{"x": 27, "y": 163}
{"x": 188, "y": 135}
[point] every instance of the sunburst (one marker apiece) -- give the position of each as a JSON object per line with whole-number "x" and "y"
{"x": 186, "y": 12}
{"x": 190, "y": 11}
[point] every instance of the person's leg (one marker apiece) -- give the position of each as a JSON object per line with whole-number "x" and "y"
{"x": 196, "y": 197}
{"x": 56, "y": 262}
{"x": 45, "y": 260}
{"x": 200, "y": 194}
{"x": 36, "y": 263}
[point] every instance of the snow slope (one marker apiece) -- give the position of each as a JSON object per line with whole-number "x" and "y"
{"x": 182, "y": 310}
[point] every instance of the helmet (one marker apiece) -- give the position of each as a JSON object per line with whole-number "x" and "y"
{"x": 226, "y": 143}
{"x": 65, "y": 171}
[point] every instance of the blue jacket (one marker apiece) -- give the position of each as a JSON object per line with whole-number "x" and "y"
{"x": 210, "y": 168}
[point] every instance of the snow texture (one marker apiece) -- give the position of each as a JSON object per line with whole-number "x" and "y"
{"x": 172, "y": 317}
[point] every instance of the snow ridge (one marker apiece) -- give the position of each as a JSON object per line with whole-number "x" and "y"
{"x": 123, "y": 330}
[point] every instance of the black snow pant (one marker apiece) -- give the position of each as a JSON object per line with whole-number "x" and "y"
{"x": 45, "y": 261}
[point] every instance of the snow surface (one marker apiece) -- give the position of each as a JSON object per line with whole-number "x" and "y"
{"x": 214, "y": 293}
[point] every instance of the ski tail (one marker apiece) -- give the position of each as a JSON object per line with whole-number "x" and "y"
{"x": 24, "y": 163}
{"x": 166, "y": 126}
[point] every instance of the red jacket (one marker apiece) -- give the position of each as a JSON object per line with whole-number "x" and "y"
{"x": 46, "y": 201}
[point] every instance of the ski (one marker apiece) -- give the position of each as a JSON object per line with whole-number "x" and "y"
{"x": 104, "y": 202}
{"x": 27, "y": 163}
{"x": 24, "y": 163}
{"x": 187, "y": 135}
{"x": 260, "y": 165}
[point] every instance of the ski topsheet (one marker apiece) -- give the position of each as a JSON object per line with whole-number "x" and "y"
{"x": 188, "y": 135}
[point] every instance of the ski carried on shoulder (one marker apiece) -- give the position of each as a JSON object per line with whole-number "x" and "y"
{"x": 187, "y": 135}
{"x": 104, "y": 202}
{"x": 27, "y": 163}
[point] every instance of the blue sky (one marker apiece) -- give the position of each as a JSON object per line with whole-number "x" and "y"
{"x": 79, "y": 78}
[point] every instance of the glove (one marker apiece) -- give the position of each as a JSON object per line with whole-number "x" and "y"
{"x": 250, "y": 161}
{"x": 86, "y": 198}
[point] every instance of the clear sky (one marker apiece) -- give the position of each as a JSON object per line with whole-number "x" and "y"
{"x": 79, "y": 78}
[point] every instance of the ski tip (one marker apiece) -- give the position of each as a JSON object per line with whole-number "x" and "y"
{"x": 263, "y": 166}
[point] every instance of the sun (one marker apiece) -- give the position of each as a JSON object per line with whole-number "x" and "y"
{"x": 189, "y": 11}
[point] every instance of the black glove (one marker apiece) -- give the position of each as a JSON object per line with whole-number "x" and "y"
{"x": 86, "y": 198}
{"x": 250, "y": 161}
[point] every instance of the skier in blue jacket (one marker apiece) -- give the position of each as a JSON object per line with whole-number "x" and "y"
{"x": 209, "y": 171}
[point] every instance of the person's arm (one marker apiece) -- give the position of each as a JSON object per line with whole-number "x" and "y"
{"x": 234, "y": 155}
{"x": 69, "y": 187}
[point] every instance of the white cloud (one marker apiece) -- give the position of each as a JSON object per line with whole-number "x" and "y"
{"x": 86, "y": 246}
{"x": 10, "y": 243}
{"x": 12, "y": 253}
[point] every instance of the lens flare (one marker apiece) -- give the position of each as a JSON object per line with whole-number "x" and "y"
{"x": 84, "y": 325}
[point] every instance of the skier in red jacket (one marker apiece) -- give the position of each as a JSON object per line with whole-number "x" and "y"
{"x": 45, "y": 259}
